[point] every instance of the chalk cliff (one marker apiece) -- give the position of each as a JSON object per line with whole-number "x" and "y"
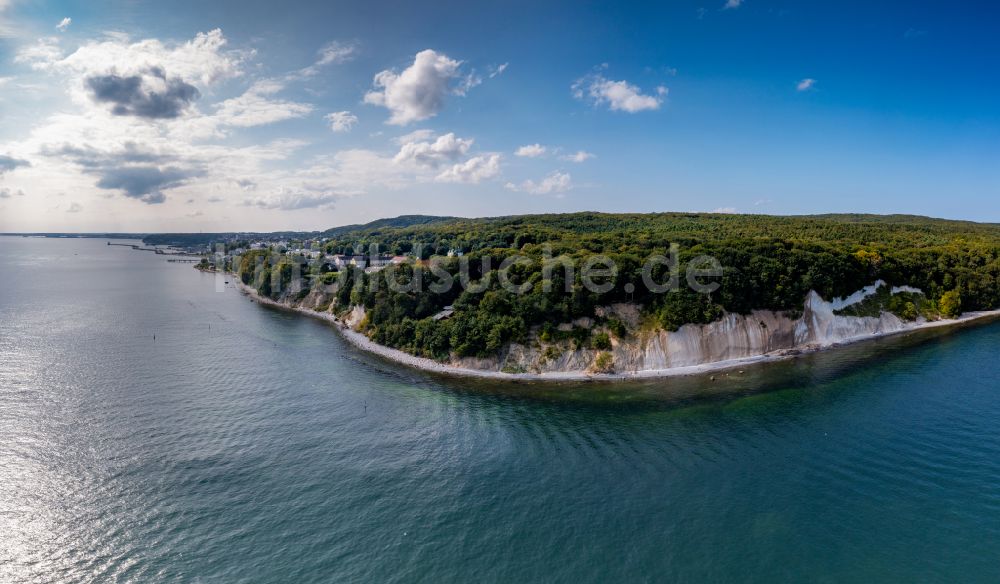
{"x": 734, "y": 336}
{"x": 649, "y": 349}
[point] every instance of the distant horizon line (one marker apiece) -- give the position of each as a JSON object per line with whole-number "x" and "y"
{"x": 122, "y": 234}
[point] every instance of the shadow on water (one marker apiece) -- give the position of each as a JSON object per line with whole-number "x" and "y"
{"x": 798, "y": 373}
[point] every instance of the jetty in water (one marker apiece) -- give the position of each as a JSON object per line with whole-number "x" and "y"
{"x": 158, "y": 251}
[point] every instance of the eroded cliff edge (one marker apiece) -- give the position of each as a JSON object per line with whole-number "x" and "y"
{"x": 646, "y": 351}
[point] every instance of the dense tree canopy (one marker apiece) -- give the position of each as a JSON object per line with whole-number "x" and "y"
{"x": 767, "y": 263}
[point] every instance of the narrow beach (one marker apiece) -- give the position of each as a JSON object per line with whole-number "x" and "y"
{"x": 362, "y": 342}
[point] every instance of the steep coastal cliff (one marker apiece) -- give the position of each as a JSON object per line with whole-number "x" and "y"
{"x": 733, "y": 337}
{"x": 733, "y": 340}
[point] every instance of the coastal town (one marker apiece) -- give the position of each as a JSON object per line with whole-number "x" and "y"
{"x": 312, "y": 252}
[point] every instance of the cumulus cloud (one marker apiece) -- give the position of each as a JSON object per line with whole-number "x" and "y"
{"x": 138, "y": 174}
{"x": 732, "y": 4}
{"x": 64, "y": 24}
{"x": 617, "y": 95}
{"x": 341, "y": 121}
{"x": 446, "y": 148}
{"x": 6, "y": 193}
{"x": 200, "y": 61}
{"x": 145, "y": 183}
{"x": 256, "y": 108}
{"x": 531, "y": 151}
{"x": 135, "y": 131}
{"x": 556, "y": 183}
{"x": 418, "y": 92}
{"x": 150, "y": 94}
{"x": 9, "y": 163}
{"x": 578, "y": 156}
{"x": 805, "y": 84}
{"x": 473, "y": 170}
{"x": 147, "y": 80}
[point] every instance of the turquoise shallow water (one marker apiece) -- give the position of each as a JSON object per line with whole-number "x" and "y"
{"x": 253, "y": 445}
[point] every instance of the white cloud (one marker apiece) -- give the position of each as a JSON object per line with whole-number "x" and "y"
{"x": 531, "y": 151}
{"x": 94, "y": 153}
{"x": 287, "y": 200}
{"x": 123, "y": 161}
{"x": 446, "y": 148}
{"x": 473, "y": 170}
{"x": 332, "y": 53}
{"x": 336, "y": 52}
{"x": 358, "y": 170}
{"x": 618, "y": 95}
{"x": 732, "y": 4}
{"x": 40, "y": 55}
{"x": 494, "y": 71}
{"x": 556, "y": 183}
{"x": 148, "y": 79}
{"x": 201, "y": 61}
{"x": 805, "y": 84}
{"x": 256, "y": 108}
{"x": 64, "y": 24}
{"x": 725, "y": 210}
{"x": 419, "y": 91}
{"x": 421, "y": 135}
{"x": 341, "y": 121}
{"x": 578, "y": 156}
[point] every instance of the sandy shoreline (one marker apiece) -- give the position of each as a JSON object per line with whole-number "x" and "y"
{"x": 362, "y": 342}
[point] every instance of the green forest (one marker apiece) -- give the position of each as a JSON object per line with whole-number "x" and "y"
{"x": 768, "y": 262}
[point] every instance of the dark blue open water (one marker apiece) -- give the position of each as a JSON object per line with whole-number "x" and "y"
{"x": 251, "y": 445}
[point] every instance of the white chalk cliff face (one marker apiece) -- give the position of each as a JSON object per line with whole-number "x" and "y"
{"x": 734, "y": 336}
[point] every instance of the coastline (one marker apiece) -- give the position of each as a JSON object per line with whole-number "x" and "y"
{"x": 362, "y": 342}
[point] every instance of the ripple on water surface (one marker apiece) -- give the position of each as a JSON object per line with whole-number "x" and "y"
{"x": 247, "y": 444}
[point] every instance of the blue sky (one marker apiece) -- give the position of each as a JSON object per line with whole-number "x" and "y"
{"x": 182, "y": 116}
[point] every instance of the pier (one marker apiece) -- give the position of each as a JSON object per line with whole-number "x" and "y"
{"x": 157, "y": 251}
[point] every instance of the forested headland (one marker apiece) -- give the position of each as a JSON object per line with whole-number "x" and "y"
{"x": 767, "y": 263}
